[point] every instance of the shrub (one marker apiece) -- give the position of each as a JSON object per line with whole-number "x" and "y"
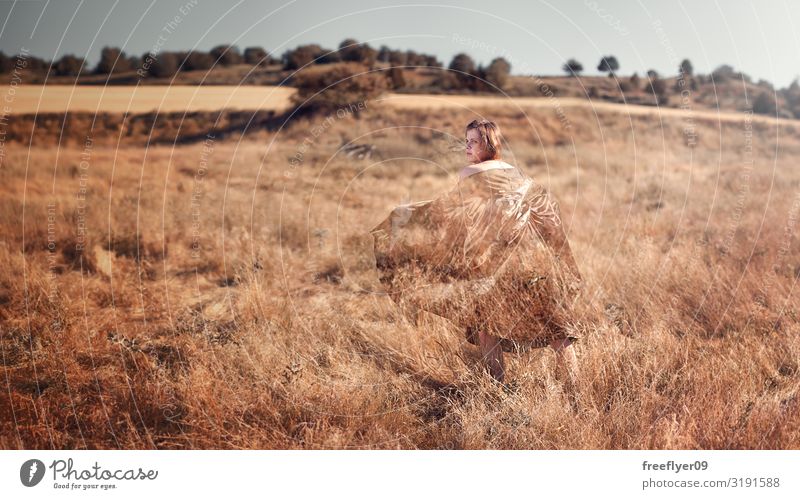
{"x": 227, "y": 55}
{"x": 301, "y": 56}
{"x": 572, "y": 67}
{"x": 69, "y": 65}
{"x": 112, "y": 59}
{"x": 765, "y": 104}
{"x": 396, "y": 78}
{"x": 255, "y": 55}
{"x": 608, "y": 64}
{"x": 165, "y": 65}
{"x": 498, "y": 71}
{"x": 464, "y": 69}
{"x": 198, "y": 60}
{"x": 344, "y": 85}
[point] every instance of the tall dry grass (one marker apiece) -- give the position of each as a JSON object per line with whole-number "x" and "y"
{"x": 239, "y": 308}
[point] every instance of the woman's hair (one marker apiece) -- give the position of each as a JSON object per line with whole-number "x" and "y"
{"x": 490, "y": 135}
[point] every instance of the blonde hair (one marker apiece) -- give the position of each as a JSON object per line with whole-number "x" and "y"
{"x": 490, "y": 135}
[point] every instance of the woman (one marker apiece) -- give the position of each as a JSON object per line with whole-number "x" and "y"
{"x": 490, "y": 255}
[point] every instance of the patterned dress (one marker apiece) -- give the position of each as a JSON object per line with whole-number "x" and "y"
{"x": 489, "y": 255}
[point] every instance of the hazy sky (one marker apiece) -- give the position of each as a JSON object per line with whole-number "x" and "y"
{"x": 760, "y": 38}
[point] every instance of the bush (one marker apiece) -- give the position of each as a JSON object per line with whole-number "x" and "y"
{"x": 723, "y": 73}
{"x": 686, "y": 68}
{"x": 227, "y": 55}
{"x": 114, "y": 60}
{"x": 342, "y": 86}
{"x": 6, "y": 63}
{"x": 198, "y": 60}
{"x": 396, "y": 78}
{"x": 464, "y": 69}
{"x": 765, "y": 104}
{"x": 301, "y": 56}
{"x": 69, "y": 65}
{"x": 497, "y": 73}
{"x": 572, "y": 67}
{"x": 352, "y": 51}
{"x": 165, "y": 65}
{"x": 658, "y": 88}
{"x": 255, "y": 55}
{"x": 608, "y": 64}
{"x": 635, "y": 81}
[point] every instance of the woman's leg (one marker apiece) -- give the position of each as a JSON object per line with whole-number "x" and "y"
{"x": 492, "y": 355}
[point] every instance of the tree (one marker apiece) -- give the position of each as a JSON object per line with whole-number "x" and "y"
{"x": 6, "y": 63}
{"x": 383, "y": 53}
{"x": 198, "y": 60}
{"x": 351, "y": 50}
{"x": 686, "y": 68}
{"x": 112, "y": 59}
{"x": 431, "y": 61}
{"x": 396, "y": 78}
{"x": 301, "y": 56}
{"x": 398, "y": 58}
{"x": 658, "y": 88}
{"x": 498, "y": 71}
{"x": 329, "y": 57}
{"x": 227, "y": 55}
{"x": 344, "y": 87}
{"x": 572, "y": 67}
{"x": 723, "y": 73}
{"x": 414, "y": 59}
{"x": 652, "y": 74}
{"x": 765, "y": 104}
{"x": 792, "y": 96}
{"x": 165, "y": 65}
{"x": 68, "y": 65}
{"x": 368, "y": 55}
{"x": 256, "y": 56}
{"x": 31, "y": 63}
{"x": 608, "y": 64}
{"x": 464, "y": 68}
{"x": 635, "y": 81}
{"x": 135, "y": 61}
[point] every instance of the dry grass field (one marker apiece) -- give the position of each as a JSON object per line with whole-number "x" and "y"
{"x": 221, "y": 293}
{"x": 143, "y": 99}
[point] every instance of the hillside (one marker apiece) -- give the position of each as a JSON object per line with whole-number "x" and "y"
{"x": 724, "y": 94}
{"x": 222, "y": 293}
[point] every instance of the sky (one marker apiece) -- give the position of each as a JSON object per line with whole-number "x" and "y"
{"x": 760, "y": 38}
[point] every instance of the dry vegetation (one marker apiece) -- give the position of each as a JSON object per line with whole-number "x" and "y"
{"x": 225, "y": 295}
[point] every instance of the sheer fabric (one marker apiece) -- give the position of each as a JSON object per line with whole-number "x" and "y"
{"x": 491, "y": 254}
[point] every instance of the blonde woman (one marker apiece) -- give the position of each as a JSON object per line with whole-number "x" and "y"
{"x": 490, "y": 255}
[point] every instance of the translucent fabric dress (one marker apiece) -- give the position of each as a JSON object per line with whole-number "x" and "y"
{"x": 489, "y": 255}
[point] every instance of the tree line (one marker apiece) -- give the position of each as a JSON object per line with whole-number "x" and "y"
{"x": 463, "y": 73}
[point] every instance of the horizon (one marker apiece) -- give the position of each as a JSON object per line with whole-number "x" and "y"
{"x": 535, "y": 38}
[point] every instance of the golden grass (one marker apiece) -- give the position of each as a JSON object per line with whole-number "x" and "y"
{"x": 250, "y": 318}
{"x": 147, "y": 98}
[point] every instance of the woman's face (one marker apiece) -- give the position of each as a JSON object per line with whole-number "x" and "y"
{"x": 476, "y": 150}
